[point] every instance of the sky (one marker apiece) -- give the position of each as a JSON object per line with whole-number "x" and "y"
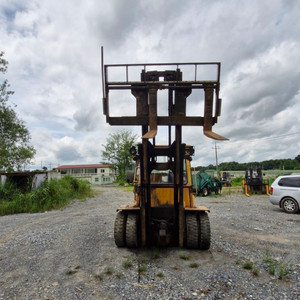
{"x": 53, "y": 49}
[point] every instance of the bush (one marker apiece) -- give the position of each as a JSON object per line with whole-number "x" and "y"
{"x": 51, "y": 195}
{"x": 237, "y": 181}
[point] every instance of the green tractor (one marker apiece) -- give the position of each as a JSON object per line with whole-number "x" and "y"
{"x": 204, "y": 184}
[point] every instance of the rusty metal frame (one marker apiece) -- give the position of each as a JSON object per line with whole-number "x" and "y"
{"x": 150, "y": 87}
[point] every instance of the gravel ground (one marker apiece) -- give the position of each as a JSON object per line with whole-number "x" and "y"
{"x": 70, "y": 254}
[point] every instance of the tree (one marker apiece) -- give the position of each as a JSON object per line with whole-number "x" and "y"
{"x": 116, "y": 151}
{"x": 15, "y": 150}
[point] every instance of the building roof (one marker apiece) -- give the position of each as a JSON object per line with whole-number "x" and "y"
{"x": 82, "y": 166}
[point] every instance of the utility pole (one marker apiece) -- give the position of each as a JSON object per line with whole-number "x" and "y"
{"x": 216, "y": 152}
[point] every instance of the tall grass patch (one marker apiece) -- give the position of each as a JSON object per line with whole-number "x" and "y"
{"x": 237, "y": 181}
{"x": 54, "y": 194}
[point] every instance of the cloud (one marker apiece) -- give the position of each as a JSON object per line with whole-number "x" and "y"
{"x": 53, "y": 49}
{"x": 68, "y": 154}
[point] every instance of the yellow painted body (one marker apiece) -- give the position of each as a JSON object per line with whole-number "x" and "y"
{"x": 163, "y": 194}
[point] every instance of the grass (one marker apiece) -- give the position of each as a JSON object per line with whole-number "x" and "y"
{"x": 71, "y": 272}
{"x": 54, "y": 194}
{"x": 160, "y": 275}
{"x": 108, "y": 271}
{"x": 255, "y": 272}
{"x": 99, "y": 277}
{"x": 194, "y": 265}
{"x": 128, "y": 188}
{"x": 127, "y": 264}
{"x": 119, "y": 275}
{"x": 237, "y": 181}
{"x": 230, "y": 190}
{"x": 155, "y": 254}
{"x": 184, "y": 256}
{"x": 272, "y": 264}
{"x": 142, "y": 269}
{"x": 248, "y": 265}
{"x": 283, "y": 270}
{"x": 276, "y": 268}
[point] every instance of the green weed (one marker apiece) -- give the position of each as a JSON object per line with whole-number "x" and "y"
{"x": 119, "y": 275}
{"x": 284, "y": 270}
{"x": 255, "y": 272}
{"x": 108, "y": 271}
{"x": 160, "y": 275}
{"x": 194, "y": 265}
{"x": 155, "y": 254}
{"x": 99, "y": 277}
{"x": 54, "y": 194}
{"x": 184, "y": 256}
{"x": 237, "y": 181}
{"x": 275, "y": 267}
{"x": 127, "y": 264}
{"x": 71, "y": 272}
{"x": 248, "y": 265}
{"x": 142, "y": 269}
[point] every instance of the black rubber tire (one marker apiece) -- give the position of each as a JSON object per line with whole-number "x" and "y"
{"x": 132, "y": 231}
{"x": 205, "y": 192}
{"x": 290, "y": 205}
{"x": 204, "y": 238}
{"x": 119, "y": 229}
{"x": 191, "y": 231}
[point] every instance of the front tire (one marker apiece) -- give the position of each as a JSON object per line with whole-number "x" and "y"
{"x": 290, "y": 206}
{"x": 119, "y": 229}
{"x": 204, "y": 239}
{"x": 132, "y": 231}
{"x": 191, "y": 231}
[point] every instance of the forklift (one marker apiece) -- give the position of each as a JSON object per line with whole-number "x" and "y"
{"x": 254, "y": 182}
{"x": 163, "y": 212}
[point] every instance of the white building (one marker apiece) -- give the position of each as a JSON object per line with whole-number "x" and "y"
{"x": 94, "y": 173}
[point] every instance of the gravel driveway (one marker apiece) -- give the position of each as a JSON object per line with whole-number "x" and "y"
{"x": 70, "y": 254}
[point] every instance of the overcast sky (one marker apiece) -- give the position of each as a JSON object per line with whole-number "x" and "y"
{"x": 53, "y": 49}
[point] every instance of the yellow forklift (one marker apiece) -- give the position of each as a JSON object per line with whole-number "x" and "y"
{"x": 254, "y": 182}
{"x": 163, "y": 212}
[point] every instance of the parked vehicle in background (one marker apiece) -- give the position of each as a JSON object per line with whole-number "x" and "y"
{"x": 204, "y": 184}
{"x": 285, "y": 192}
{"x": 254, "y": 181}
{"x": 226, "y": 178}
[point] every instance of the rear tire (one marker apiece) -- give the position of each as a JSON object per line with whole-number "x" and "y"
{"x": 191, "y": 231}
{"x": 119, "y": 229}
{"x": 132, "y": 231}
{"x": 204, "y": 239}
{"x": 290, "y": 206}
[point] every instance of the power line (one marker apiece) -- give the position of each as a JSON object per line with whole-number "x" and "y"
{"x": 278, "y": 136}
{"x": 265, "y": 138}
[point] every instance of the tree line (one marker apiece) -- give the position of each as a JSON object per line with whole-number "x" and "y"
{"x": 272, "y": 164}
